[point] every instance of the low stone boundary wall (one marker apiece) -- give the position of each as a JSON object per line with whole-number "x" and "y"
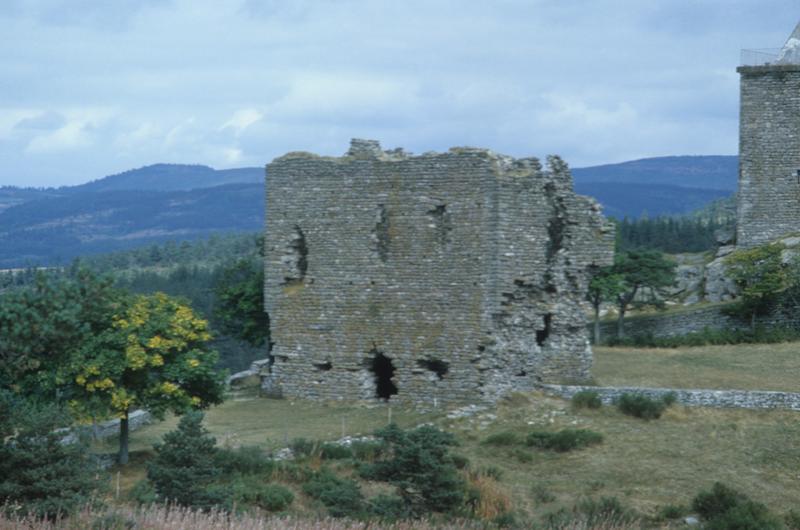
{"x": 742, "y": 399}
{"x": 672, "y": 324}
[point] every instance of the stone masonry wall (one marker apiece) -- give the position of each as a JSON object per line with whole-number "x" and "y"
{"x": 445, "y": 277}
{"x": 768, "y": 204}
{"x": 746, "y": 399}
{"x": 695, "y": 320}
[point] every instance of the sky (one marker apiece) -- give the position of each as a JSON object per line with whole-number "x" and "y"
{"x": 90, "y": 88}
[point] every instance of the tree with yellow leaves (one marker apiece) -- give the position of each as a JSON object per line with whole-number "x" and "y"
{"x": 154, "y": 356}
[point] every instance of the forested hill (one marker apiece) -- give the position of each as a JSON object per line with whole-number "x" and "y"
{"x": 172, "y": 177}
{"x": 166, "y": 202}
{"x": 706, "y": 172}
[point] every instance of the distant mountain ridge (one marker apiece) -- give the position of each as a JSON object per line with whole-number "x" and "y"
{"x": 708, "y": 172}
{"x": 172, "y": 177}
{"x": 176, "y": 202}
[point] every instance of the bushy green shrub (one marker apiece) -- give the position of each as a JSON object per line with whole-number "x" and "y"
{"x": 366, "y": 450}
{"x": 388, "y": 508}
{"x": 641, "y": 406}
{"x": 492, "y": 472}
{"x": 721, "y": 498}
{"x": 143, "y": 492}
{"x": 270, "y": 497}
{"x": 586, "y": 399}
{"x": 460, "y": 461}
{"x": 669, "y": 399}
{"x": 418, "y": 462}
{"x": 672, "y": 511}
{"x": 185, "y": 467}
{"x": 341, "y": 496}
{"x": 564, "y": 440}
{"x": 724, "y": 508}
{"x": 505, "y": 438}
{"x": 244, "y": 460}
{"x": 792, "y": 520}
{"x": 331, "y": 451}
{"x": 302, "y": 447}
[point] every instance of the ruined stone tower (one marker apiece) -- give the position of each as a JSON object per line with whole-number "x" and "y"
{"x": 769, "y": 144}
{"x": 445, "y": 277}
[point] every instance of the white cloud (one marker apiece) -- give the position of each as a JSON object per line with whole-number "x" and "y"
{"x": 242, "y": 119}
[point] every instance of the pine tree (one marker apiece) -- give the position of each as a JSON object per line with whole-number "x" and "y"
{"x": 185, "y": 468}
{"x": 43, "y": 471}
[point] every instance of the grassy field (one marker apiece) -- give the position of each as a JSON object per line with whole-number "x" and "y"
{"x": 744, "y": 366}
{"x": 644, "y": 464}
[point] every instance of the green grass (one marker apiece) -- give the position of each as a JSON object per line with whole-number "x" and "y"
{"x": 743, "y": 366}
{"x": 647, "y": 465}
{"x": 273, "y": 424}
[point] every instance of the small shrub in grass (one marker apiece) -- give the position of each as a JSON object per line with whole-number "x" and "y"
{"x": 792, "y": 520}
{"x": 669, "y": 399}
{"x": 607, "y": 510}
{"x": 541, "y": 494}
{"x": 290, "y": 471}
{"x": 523, "y": 456}
{"x": 749, "y": 515}
{"x": 460, "y": 461}
{"x": 341, "y": 496}
{"x": 302, "y": 447}
{"x": 244, "y": 460}
{"x": 366, "y": 450}
{"x": 491, "y": 471}
{"x": 721, "y": 498}
{"x": 727, "y": 509}
{"x": 506, "y": 520}
{"x": 331, "y": 451}
{"x": 505, "y": 438}
{"x": 143, "y": 493}
{"x": 672, "y": 511}
{"x": 388, "y": 508}
{"x": 640, "y": 406}
{"x": 564, "y": 440}
{"x": 270, "y": 497}
{"x": 586, "y": 399}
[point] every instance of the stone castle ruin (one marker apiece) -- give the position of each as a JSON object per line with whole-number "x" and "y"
{"x": 445, "y": 277}
{"x": 768, "y": 204}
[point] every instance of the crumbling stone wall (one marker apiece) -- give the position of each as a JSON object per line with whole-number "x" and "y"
{"x": 445, "y": 277}
{"x": 769, "y": 153}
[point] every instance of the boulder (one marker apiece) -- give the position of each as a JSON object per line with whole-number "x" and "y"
{"x": 718, "y": 287}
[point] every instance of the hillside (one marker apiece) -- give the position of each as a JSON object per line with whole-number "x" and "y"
{"x": 176, "y": 202}
{"x": 171, "y": 177}
{"x": 55, "y": 230}
{"x": 707, "y": 172}
{"x": 623, "y": 199}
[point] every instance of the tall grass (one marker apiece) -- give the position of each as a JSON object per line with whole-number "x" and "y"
{"x": 172, "y": 518}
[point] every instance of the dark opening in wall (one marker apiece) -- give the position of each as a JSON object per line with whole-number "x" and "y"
{"x": 542, "y": 334}
{"x": 323, "y": 367}
{"x": 441, "y": 220}
{"x": 383, "y": 370}
{"x": 380, "y": 233}
{"x": 436, "y": 366}
{"x": 557, "y": 225}
{"x": 299, "y": 250}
